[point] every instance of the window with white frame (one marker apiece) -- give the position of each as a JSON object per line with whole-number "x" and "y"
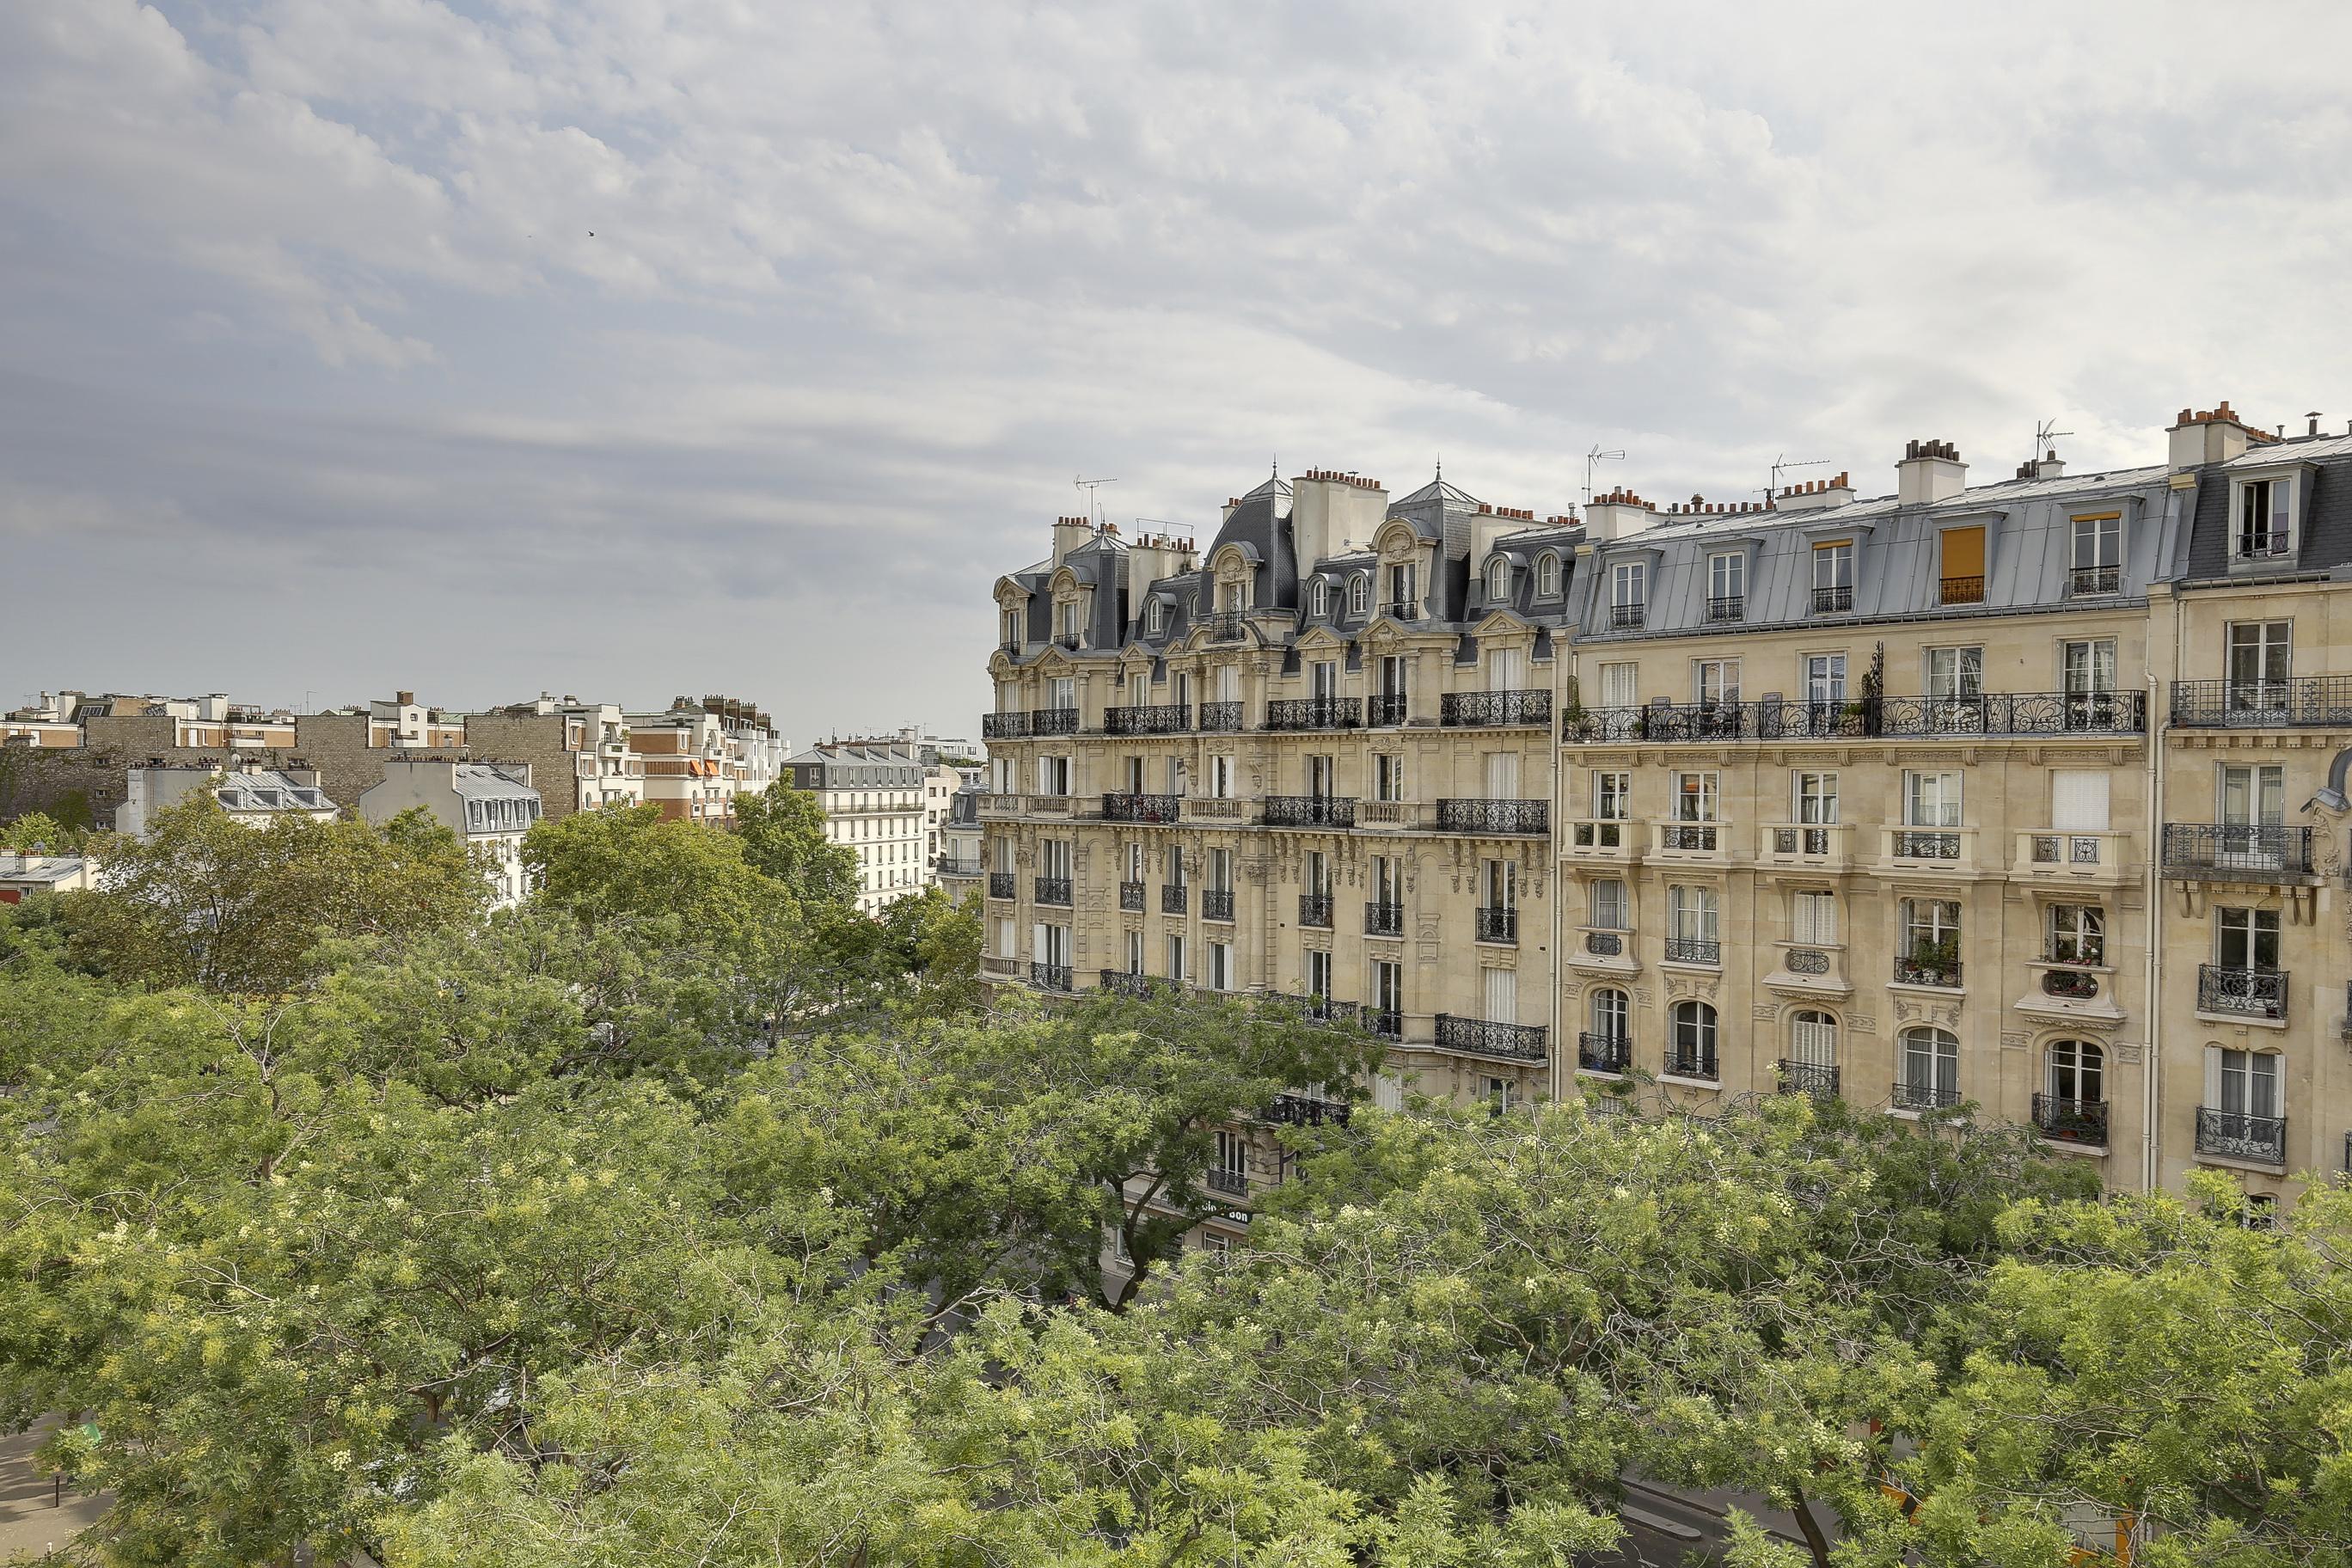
{"x": 1696, "y": 795}
{"x": 1613, "y": 796}
{"x": 1498, "y": 580}
{"x": 1825, "y": 678}
{"x": 1817, "y": 799}
{"x": 1065, "y": 690}
{"x": 1319, "y": 603}
{"x": 2078, "y": 933}
{"x": 1609, "y": 906}
{"x": 2242, "y": 1082}
{"x": 1620, "y": 684}
{"x": 1929, "y": 1062}
{"x": 1629, "y": 584}
{"x": 1833, "y": 566}
{"x": 1691, "y": 912}
{"x": 1715, "y": 681}
{"x": 1813, "y": 918}
{"x": 1547, "y": 576}
{"x": 1221, "y": 966}
{"x": 1726, "y": 578}
{"x": 1176, "y": 865}
{"x": 1319, "y": 972}
{"x": 1405, "y": 590}
{"x": 2087, "y": 667}
{"x": 1156, "y": 617}
{"x": 2098, "y": 553}
{"x": 1175, "y": 956}
{"x": 2265, "y": 513}
{"x": 2246, "y": 939}
{"x": 1220, "y": 777}
{"x": 1388, "y": 776}
{"x": 2259, "y": 656}
{"x": 1931, "y": 799}
{"x": 1359, "y": 594}
{"x": 1955, "y": 673}
{"x": 1134, "y": 953}
{"x": 1053, "y": 775}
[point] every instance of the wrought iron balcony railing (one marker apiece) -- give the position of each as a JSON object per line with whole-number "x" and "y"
{"x": 1918, "y": 971}
{"x": 1494, "y": 817}
{"x": 1130, "y": 895}
{"x": 2236, "y": 1136}
{"x": 2249, "y": 993}
{"x": 1692, "y": 835}
{"x": 1499, "y": 925}
{"x": 1691, "y": 1061}
{"x": 1004, "y": 726}
{"x": 1220, "y": 717}
{"x": 1054, "y": 722}
{"x": 1143, "y": 807}
{"x": 1159, "y": 719}
{"x": 1478, "y": 1036}
{"x": 1625, "y": 617}
{"x": 1806, "y": 961}
{"x": 1233, "y": 1184}
{"x": 1315, "y": 910}
{"x": 2315, "y": 700}
{"x": 1959, "y": 591}
{"x": 1726, "y": 606}
{"x": 2071, "y": 1120}
{"x": 1834, "y": 600}
{"x": 1402, "y": 610}
{"x": 1781, "y": 718}
{"x": 1926, "y": 843}
{"x": 1819, "y": 1079}
{"x": 1487, "y": 709}
{"x": 1294, "y": 713}
{"x": 959, "y": 869}
{"x": 2233, "y": 850}
{"x": 2095, "y": 580}
{"x": 1054, "y": 890}
{"x": 1307, "y": 1110}
{"x": 1223, "y": 625}
{"x": 1384, "y": 919}
{"x": 1693, "y": 950}
{"x": 1175, "y": 899}
{"x": 1310, "y": 811}
{"x": 1217, "y": 904}
{"x": 1050, "y": 976}
{"x": 1604, "y": 943}
{"x": 1121, "y": 983}
{"x": 1919, "y": 1094}
{"x": 1801, "y": 841}
{"x": 1386, "y": 708}
{"x": 1385, "y": 1025}
{"x": 1603, "y": 1053}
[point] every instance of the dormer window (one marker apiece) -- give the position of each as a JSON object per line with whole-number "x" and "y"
{"x": 1498, "y": 580}
{"x": 2266, "y": 519}
{"x": 1318, "y": 604}
{"x": 1359, "y": 594}
{"x": 1404, "y": 592}
{"x": 2098, "y": 555}
{"x": 1013, "y": 638}
{"x": 1547, "y": 576}
{"x": 1156, "y": 617}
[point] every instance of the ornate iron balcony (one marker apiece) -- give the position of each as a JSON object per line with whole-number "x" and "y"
{"x": 1175, "y": 899}
{"x": 1384, "y": 919}
{"x": 1310, "y": 811}
{"x": 1499, "y": 925}
{"x": 1915, "y": 970}
{"x": 2238, "y": 1136}
{"x": 1141, "y": 808}
{"x": 1315, "y": 714}
{"x": 1603, "y": 1053}
{"x": 1726, "y": 606}
{"x": 1801, "y": 841}
{"x": 1315, "y": 910}
{"x": 1780, "y": 719}
{"x": 1004, "y": 726}
{"x": 1693, "y": 950}
{"x": 1604, "y": 943}
{"x": 1385, "y": 1025}
{"x": 2320, "y": 700}
{"x": 1130, "y": 895}
{"x": 1960, "y": 591}
{"x": 1819, "y": 1079}
{"x": 1918, "y": 844}
{"x": 1912, "y": 1095}
{"x": 1521, "y": 1042}
{"x": 1121, "y": 983}
{"x": 1234, "y": 1183}
{"x": 1001, "y": 884}
{"x": 1386, "y": 708}
{"x": 2071, "y": 1120}
{"x": 1160, "y": 719}
{"x": 1050, "y": 976}
{"x": 1699, "y": 836}
{"x": 2070, "y": 985}
{"x": 1624, "y": 617}
{"x": 2095, "y": 580}
{"x": 1691, "y": 1061}
{"x": 1307, "y": 1110}
{"x": 2253, "y": 992}
{"x": 1220, "y": 717}
{"x": 1054, "y": 890}
{"x": 1806, "y": 961}
{"x": 1054, "y": 722}
{"x": 1836, "y": 601}
{"x": 1071, "y": 640}
{"x": 1217, "y": 904}
{"x": 1223, "y": 625}
{"x": 1403, "y": 610}
{"x": 1494, "y": 817}
{"x": 2236, "y": 851}
{"x": 1485, "y": 709}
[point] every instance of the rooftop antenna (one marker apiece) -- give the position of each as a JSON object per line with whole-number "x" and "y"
{"x": 1783, "y": 463}
{"x": 2043, "y": 435}
{"x": 1598, "y": 456}
{"x": 1094, "y": 499}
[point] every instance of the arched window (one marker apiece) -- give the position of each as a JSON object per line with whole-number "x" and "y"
{"x": 1359, "y": 594}
{"x": 1690, "y": 1051}
{"x": 1498, "y": 580}
{"x": 1929, "y": 1064}
{"x": 1547, "y": 577}
{"x": 1157, "y": 618}
{"x": 1319, "y": 603}
{"x": 1811, "y": 1067}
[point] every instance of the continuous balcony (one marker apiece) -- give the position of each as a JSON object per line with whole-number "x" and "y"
{"x": 1002, "y": 885}
{"x": 1299, "y": 713}
{"x": 1004, "y": 726}
{"x": 1385, "y": 1025}
{"x": 1310, "y": 811}
{"x": 1385, "y": 710}
{"x": 1130, "y": 897}
{"x": 2241, "y": 993}
{"x": 1996, "y": 715}
{"x": 1054, "y": 722}
{"x": 1119, "y": 981}
{"x": 1220, "y": 717}
{"x": 1050, "y": 976}
{"x": 2236, "y": 1136}
{"x": 1500, "y": 926}
{"x": 1175, "y": 899}
{"x": 2236, "y": 852}
{"x": 1603, "y": 1053}
{"x": 1315, "y": 910}
{"x": 2316, "y": 701}
{"x": 1495, "y": 710}
{"x": 1498, "y": 816}
{"x": 1162, "y": 808}
{"x": 1217, "y": 904}
{"x": 2067, "y": 1120}
{"x": 1159, "y": 719}
{"x": 1307, "y": 1110}
{"x": 1478, "y": 1036}
{"x": 1384, "y": 919}
{"x": 1819, "y": 1079}
{"x": 1054, "y": 890}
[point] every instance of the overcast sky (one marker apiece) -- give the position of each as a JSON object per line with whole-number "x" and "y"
{"x": 628, "y": 349}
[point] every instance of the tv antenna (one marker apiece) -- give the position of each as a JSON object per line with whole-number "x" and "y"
{"x": 2043, "y": 435}
{"x": 1781, "y": 465}
{"x": 1094, "y": 500}
{"x": 1594, "y": 457}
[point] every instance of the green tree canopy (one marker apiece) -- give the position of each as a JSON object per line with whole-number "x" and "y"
{"x": 633, "y": 863}
{"x": 783, "y": 832}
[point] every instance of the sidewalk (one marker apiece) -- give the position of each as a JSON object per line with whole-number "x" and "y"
{"x": 32, "y": 1524}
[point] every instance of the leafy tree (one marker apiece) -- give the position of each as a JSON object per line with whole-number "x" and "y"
{"x": 783, "y": 832}
{"x": 202, "y": 900}
{"x": 633, "y": 863}
{"x": 41, "y": 834}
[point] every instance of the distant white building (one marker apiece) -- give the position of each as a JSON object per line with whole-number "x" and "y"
{"x": 250, "y": 795}
{"x": 490, "y": 805}
{"x": 872, "y": 795}
{"x": 21, "y": 876}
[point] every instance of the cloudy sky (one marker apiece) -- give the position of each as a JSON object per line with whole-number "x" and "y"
{"x": 637, "y": 347}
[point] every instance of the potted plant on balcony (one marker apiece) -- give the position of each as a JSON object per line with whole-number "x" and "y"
{"x": 1940, "y": 957}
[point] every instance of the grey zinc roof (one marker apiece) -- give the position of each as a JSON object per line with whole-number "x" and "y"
{"x": 2327, "y": 542}
{"x": 269, "y": 791}
{"x": 16, "y": 867}
{"x": 482, "y": 780}
{"x": 1260, "y": 524}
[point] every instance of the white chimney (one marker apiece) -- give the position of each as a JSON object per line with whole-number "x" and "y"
{"x": 2204, "y": 435}
{"x": 1815, "y": 495}
{"x": 1929, "y": 471}
{"x": 1330, "y": 511}
{"x": 1616, "y": 515}
{"x": 1069, "y": 532}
